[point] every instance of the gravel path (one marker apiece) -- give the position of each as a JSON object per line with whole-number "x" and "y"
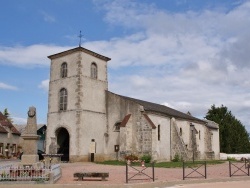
{"x": 117, "y": 174}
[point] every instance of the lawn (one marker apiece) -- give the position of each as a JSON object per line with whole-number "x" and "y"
{"x": 163, "y": 164}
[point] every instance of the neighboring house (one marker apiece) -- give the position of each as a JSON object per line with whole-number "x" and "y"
{"x": 41, "y": 131}
{"x": 87, "y": 121}
{"x": 9, "y": 138}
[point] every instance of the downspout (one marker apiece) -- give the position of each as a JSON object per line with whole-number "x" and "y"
{"x": 171, "y": 139}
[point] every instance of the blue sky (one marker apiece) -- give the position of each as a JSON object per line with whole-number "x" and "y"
{"x": 186, "y": 54}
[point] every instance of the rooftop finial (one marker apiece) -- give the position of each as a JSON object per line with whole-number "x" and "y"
{"x": 80, "y": 36}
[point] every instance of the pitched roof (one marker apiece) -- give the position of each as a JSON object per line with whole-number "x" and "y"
{"x": 125, "y": 120}
{"x": 4, "y": 122}
{"x": 77, "y": 49}
{"x": 212, "y": 124}
{"x": 158, "y": 108}
{"x": 2, "y": 129}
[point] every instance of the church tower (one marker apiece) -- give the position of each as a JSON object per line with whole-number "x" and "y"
{"x": 77, "y": 116}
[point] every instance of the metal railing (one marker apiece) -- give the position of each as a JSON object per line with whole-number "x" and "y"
{"x": 239, "y": 168}
{"x": 140, "y": 171}
{"x": 24, "y": 174}
{"x": 190, "y": 168}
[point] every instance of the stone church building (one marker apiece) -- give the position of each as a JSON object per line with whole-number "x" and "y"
{"x": 88, "y": 122}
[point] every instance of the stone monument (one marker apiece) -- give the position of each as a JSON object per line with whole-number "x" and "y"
{"x": 30, "y": 139}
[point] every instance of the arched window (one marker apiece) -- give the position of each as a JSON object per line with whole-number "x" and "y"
{"x": 64, "y": 70}
{"x": 94, "y": 71}
{"x": 159, "y": 132}
{"x": 199, "y": 135}
{"x": 63, "y": 99}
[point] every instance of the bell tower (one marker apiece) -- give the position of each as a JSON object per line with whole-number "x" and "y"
{"x": 77, "y": 101}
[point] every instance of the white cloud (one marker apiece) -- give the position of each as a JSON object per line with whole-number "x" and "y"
{"x": 34, "y": 55}
{"x": 19, "y": 120}
{"x": 7, "y": 87}
{"x": 47, "y": 17}
{"x": 188, "y": 60}
{"x": 44, "y": 85}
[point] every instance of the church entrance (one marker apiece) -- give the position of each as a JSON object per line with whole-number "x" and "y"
{"x": 63, "y": 143}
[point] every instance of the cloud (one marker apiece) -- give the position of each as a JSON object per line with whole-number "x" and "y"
{"x": 31, "y": 56}
{"x": 7, "y": 87}
{"x": 44, "y": 85}
{"x": 188, "y": 60}
{"x": 19, "y": 120}
{"x": 47, "y": 17}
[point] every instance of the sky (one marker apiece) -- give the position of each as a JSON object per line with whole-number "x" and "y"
{"x": 185, "y": 54}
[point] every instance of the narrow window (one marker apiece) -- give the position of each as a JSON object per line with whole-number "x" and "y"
{"x": 199, "y": 135}
{"x": 1, "y": 148}
{"x": 117, "y": 127}
{"x": 159, "y": 132}
{"x": 63, "y": 99}
{"x": 180, "y": 131}
{"x": 64, "y": 70}
{"x": 94, "y": 71}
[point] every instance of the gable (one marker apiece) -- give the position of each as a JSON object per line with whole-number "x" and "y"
{"x": 79, "y": 49}
{"x": 4, "y": 122}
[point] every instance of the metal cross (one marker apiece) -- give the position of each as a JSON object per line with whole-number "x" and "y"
{"x": 80, "y": 36}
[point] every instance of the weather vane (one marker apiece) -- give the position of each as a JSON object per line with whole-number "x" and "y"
{"x": 80, "y": 36}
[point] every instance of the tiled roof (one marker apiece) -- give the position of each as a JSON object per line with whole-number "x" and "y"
{"x": 61, "y": 54}
{"x": 150, "y": 121}
{"x": 5, "y": 123}
{"x": 125, "y": 120}
{"x": 2, "y": 129}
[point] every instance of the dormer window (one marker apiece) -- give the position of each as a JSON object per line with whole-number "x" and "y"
{"x": 64, "y": 70}
{"x": 94, "y": 70}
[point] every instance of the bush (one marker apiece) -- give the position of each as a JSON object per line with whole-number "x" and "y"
{"x": 176, "y": 158}
{"x": 131, "y": 157}
{"x": 146, "y": 158}
{"x": 231, "y": 159}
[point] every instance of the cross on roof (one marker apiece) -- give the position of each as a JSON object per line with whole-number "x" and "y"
{"x": 80, "y": 36}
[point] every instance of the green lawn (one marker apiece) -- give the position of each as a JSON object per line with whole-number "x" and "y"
{"x": 163, "y": 164}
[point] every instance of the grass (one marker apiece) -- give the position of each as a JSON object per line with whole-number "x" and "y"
{"x": 162, "y": 164}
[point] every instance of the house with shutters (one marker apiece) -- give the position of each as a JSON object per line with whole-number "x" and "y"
{"x": 9, "y": 138}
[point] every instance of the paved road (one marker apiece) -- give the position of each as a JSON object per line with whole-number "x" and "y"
{"x": 228, "y": 184}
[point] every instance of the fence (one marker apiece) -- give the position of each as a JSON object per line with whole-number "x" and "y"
{"x": 24, "y": 174}
{"x": 140, "y": 172}
{"x": 240, "y": 168}
{"x": 19, "y": 173}
{"x": 194, "y": 168}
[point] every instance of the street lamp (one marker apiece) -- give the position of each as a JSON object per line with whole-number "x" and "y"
{"x": 192, "y": 130}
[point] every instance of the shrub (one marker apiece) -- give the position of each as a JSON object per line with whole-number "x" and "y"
{"x": 146, "y": 158}
{"x": 231, "y": 159}
{"x": 131, "y": 157}
{"x": 176, "y": 158}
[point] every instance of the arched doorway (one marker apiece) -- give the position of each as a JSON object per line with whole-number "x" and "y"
{"x": 63, "y": 143}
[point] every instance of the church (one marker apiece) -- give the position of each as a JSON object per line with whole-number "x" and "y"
{"x": 90, "y": 123}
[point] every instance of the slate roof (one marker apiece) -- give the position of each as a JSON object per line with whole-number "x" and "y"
{"x": 5, "y": 123}
{"x": 212, "y": 124}
{"x": 158, "y": 108}
{"x": 61, "y": 54}
{"x": 162, "y": 109}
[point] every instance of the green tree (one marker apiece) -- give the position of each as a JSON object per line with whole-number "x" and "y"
{"x": 7, "y": 114}
{"x": 233, "y": 136}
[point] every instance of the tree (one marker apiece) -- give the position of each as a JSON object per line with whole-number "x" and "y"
{"x": 7, "y": 115}
{"x": 233, "y": 136}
